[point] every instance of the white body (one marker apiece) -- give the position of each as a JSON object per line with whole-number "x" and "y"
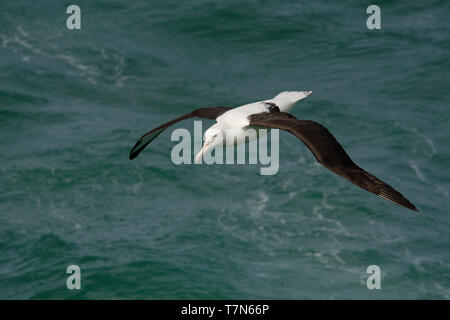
{"x": 232, "y": 126}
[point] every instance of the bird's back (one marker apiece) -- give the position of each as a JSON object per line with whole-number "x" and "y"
{"x": 284, "y": 102}
{"x": 238, "y": 117}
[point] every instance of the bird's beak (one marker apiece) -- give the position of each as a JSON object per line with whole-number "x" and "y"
{"x": 199, "y": 155}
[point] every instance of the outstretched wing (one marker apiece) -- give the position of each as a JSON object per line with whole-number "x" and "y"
{"x": 329, "y": 153}
{"x": 207, "y": 113}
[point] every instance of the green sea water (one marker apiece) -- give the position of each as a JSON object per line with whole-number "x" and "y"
{"x": 73, "y": 103}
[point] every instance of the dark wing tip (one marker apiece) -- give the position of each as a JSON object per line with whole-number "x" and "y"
{"x": 413, "y": 207}
{"x": 207, "y": 113}
{"x": 410, "y": 206}
{"x": 143, "y": 142}
{"x": 390, "y": 194}
{"x": 133, "y": 155}
{"x": 135, "y": 150}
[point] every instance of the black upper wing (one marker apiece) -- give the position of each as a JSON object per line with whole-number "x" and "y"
{"x": 330, "y": 154}
{"x": 207, "y": 113}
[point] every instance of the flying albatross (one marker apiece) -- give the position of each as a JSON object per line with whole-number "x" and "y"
{"x": 273, "y": 113}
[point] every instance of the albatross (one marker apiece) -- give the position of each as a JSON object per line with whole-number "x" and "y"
{"x": 274, "y": 113}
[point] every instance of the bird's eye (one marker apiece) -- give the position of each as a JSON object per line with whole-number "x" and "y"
{"x": 215, "y": 136}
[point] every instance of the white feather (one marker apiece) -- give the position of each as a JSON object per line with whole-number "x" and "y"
{"x": 238, "y": 117}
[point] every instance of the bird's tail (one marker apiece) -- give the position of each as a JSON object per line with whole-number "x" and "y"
{"x": 287, "y": 99}
{"x": 292, "y": 95}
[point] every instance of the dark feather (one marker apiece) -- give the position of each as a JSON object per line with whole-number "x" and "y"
{"x": 328, "y": 152}
{"x": 272, "y": 107}
{"x": 206, "y": 113}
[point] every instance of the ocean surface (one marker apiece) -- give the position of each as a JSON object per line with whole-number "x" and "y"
{"x": 74, "y": 102}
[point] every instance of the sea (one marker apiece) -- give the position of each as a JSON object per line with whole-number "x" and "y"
{"x": 79, "y": 220}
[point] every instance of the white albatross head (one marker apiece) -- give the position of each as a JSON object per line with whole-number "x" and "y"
{"x": 213, "y": 137}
